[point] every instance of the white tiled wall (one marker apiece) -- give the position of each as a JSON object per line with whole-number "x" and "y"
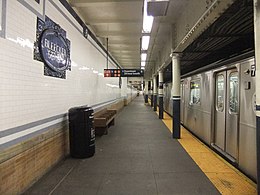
{"x": 26, "y": 94}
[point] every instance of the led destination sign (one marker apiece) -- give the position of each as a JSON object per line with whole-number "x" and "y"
{"x": 112, "y": 72}
{"x": 123, "y": 72}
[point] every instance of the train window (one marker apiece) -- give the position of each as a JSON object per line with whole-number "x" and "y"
{"x": 220, "y": 93}
{"x": 195, "y": 92}
{"x": 233, "y": 92}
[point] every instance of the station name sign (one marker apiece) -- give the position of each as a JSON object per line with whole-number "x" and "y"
{"x": 123, "y": 73}
{"x": 52, "y": 48}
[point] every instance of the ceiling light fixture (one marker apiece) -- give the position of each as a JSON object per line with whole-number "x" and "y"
{"x": 145, "y": 42}
{"x": 147, "y": 20}
{"x": 147, "y": 28}
{"x": 143, "y": 56}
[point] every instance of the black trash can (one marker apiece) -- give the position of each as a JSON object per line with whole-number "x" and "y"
{"x": 81, "y": 132}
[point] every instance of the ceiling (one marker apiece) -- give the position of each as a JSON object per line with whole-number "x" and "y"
{"x": 121, "y": 22}
{"x": 118, "y": 20}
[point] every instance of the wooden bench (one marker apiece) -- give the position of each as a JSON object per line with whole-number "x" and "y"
{"x": 103, "y": 120}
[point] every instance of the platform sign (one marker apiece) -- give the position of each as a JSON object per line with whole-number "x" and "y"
{"x": 123, "y": 72}
{"x": 132, "y": 72}
{"x": 112, "y": 72}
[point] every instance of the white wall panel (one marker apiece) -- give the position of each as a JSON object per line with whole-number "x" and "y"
{"x": 26, "y": 94}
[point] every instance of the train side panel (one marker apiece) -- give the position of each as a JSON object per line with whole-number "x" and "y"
{"x": 198, "y": 110}
{"x": 197, "y": 116}
{"x": 247, "y": 123}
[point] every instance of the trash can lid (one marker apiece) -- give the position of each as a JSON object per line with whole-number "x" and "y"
{"x": 74, "y": 109}
{"x": 80, "y": 109}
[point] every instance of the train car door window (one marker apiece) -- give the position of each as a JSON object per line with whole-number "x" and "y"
{"x": 233, "y": 92}
{"x": 182, "y": 101}
{"x": 195, "y": 92}
{"x": 226, "y": 112}
{"x": 220, "y": 93}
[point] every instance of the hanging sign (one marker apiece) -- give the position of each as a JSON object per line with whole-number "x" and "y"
{"x": 132, "y": 73}
{"x": 112, "y": 72}
{"x": 123, "y": 72}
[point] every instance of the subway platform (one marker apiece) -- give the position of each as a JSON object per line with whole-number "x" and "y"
{"x": 138, "y": 156}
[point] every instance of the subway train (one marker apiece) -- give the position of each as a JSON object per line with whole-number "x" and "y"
{"x": 218, "y": 106}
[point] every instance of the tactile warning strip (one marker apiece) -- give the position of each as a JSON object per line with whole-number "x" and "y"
{"x": 226, "y": 178}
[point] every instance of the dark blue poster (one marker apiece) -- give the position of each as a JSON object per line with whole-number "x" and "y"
{"x": 52, "y": 48}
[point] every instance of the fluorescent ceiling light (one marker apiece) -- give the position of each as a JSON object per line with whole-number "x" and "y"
{"x": 147, "y": 20}
{"x": 143, "y": 64}
{"x": 143, "y": 68}
{"x": 145, "y": 42}
{"x": 143, "y": 56}
{"x": 147, "y": 24}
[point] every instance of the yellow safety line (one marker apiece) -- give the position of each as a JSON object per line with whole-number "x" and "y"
{"x": 226, "y": 178}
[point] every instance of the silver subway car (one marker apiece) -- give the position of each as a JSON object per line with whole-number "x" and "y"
{"x": 218, "y": 106}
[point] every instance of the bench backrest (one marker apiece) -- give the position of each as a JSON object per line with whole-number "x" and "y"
{"x": 100, "y": 112}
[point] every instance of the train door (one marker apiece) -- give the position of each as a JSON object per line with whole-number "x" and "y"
{"x": 182, "y": 101}
{"x": 226, "y": 112}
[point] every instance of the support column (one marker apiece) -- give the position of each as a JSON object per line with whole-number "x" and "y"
{"x": 146, "y": 92}
{"x": 142, "y": 86}
{"x": 124, "y": 88}
{"x": 151, "y": 92}
{"x": 161, "y": 95}
{"x": 257, "y": 81}
{"x": 176, "y": 81}
{"x": 154, "y": 93}
{"x": 131, "y": 92}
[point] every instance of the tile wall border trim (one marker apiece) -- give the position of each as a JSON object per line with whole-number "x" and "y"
{"x": 63, "y": 116}
{"x": 17, "y": 129}
{"x": 66, "y": 17}
{"x": 3, "y": 22}
{"x": 29, "y": 7}
{"x": 28, "y": 136}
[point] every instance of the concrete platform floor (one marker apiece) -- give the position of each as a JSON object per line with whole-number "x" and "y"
{"x": 138, "y": 156}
